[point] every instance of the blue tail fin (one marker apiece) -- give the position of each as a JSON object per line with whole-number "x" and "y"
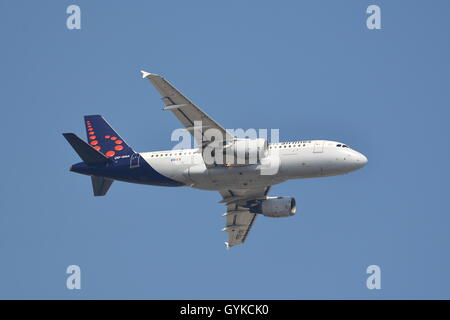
{"x": 103, "y": 138}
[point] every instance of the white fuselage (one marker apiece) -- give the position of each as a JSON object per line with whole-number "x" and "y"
{"x": 288, "y": 160}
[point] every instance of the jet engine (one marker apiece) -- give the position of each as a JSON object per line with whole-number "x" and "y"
{"x": 278, "y": 207}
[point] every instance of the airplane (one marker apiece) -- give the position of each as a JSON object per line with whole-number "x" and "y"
{"x": 244, "y": 175}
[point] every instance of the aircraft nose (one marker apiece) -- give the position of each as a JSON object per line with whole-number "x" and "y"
{"x": 361, "y": 160}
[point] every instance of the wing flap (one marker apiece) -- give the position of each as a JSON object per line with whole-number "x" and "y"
{"x": 238, "y": 226}
{"x": 239, "y": 219}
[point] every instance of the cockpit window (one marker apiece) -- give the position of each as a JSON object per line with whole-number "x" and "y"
{"x": 344, "y": 146}
{"x": 338, "y": 145}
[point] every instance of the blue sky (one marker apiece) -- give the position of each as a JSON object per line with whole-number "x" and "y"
{"x": 310, "y": 68}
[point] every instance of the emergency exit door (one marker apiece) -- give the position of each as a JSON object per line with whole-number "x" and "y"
{"x": 318, "y": 146}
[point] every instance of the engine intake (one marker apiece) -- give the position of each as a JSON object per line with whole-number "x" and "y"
{"x": 278, "y": 207}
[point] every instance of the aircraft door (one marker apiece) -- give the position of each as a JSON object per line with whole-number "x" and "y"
{"x": 318, "y": 146}
{"x": 134, "y": 160}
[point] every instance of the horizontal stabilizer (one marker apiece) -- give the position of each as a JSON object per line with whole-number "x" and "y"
{"x": 100, "y": 185}
{"x": 88, "y": 154}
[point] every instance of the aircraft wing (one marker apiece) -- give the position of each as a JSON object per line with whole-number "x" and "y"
{"x": 238, "y": 215}
{"x": 192, "y": 117}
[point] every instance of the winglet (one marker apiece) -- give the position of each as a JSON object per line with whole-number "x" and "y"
{"x": 145, "y": 74}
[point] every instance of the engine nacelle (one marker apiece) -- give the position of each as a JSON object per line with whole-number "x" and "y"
{"x": 278, "y": 207}
{"x": 245, "y": 151}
